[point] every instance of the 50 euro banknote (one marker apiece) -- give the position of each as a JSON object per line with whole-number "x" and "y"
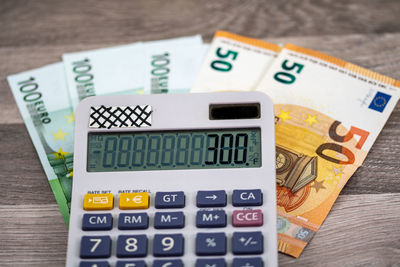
{"x": 43, "y": 102}
{"x": 328, "y": 115}
{"x": 234, "y": 63}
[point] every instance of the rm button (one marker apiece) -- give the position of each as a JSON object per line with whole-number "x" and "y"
{"x": 128, "y": 201}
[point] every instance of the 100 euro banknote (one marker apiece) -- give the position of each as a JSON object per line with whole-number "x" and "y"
{"x": 158, "y": 66}
{"x": 43, "y": 102}
{"x": 328, "y": 115}
{"x": 234, "y": 63}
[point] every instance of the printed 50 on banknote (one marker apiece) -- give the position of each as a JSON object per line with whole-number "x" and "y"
{"x": 328, "y": 115}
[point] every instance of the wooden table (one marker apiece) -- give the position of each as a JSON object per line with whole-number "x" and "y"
{"x": 363, "y": 228}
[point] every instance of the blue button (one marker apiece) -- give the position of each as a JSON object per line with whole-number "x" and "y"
{"x": 133, "y": 221}
{"x": 169, "y": 263}
{"x": 247, "y": 198}
{"x": 210, "y": 263}
{"x": 94, "y": 264}
{"x": 168, "y": 245}
{"x": 166, "y": 200}
{"x": 211, "y": 198}
{"x": 97, "y": 222}
{"x": 131, "y": 246}
{"x": 241, "y": 262}
{"x": 211, "y": 218}
{"x": 131, "y": 264}
{"x": 95, "y": 247}
{"x": 168, "y": 220}
{"x": 210, "y": 244}
{"x": 247, "y": 243}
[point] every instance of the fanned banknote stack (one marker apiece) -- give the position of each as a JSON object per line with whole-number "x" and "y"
{"x": 328, "y": 112}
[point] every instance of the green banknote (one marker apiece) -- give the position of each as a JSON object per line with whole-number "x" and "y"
{"x": 147, "y": 67}
{"x": 43, "y": 101}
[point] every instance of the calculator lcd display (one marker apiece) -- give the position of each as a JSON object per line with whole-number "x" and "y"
{"x": 173, "y": 150}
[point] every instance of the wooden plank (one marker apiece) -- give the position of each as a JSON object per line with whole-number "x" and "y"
{"x": 62, "y": 22}
{"x": 361, "y": 230}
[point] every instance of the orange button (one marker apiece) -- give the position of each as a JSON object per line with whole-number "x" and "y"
{"x": 98, "y": 202}
{"x": 129, "y": 201}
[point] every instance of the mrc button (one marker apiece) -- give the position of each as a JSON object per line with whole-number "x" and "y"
{"x": 166, "y": 200}
{"x": 94, "y": 222}
{"x": 247, "y": 198}
{"x": 211, "y": 198}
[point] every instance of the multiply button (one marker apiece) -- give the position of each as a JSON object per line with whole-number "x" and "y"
{"x": 247, "y": 198}
{"x": 95, "y": 222}
{"x": 165, "y": 200}
{"x": 134, "y": 201}
{"x": 211, "y": 198}
{"x": 247, "y": 218}
{"x": 98, "y": 201}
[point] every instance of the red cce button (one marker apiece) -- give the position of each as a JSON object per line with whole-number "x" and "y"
{"x": 242, "y": 218}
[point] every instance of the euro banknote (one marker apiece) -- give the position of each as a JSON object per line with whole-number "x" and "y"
{"x": 234, "y": 63}
{"x": 328, "y": 115}
{"x": 122, "y": 69}
{"x": 43, "y": 102}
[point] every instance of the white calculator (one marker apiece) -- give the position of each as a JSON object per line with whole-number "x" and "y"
{"x": 174, "y": 180}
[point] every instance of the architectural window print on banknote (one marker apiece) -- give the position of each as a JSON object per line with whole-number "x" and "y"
{"x": 323, "y": 133}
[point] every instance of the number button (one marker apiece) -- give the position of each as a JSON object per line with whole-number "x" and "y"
{"x": 134, "y": 201}
{"x": 168, "y": 220}
{"x": 95, "y": 222}
{"x": 247, "y": 198}
{"x": 211, "y": 199}
{"x": 168, "y": 263}
{"x": 131, "y": 246}
{"x": 244, "y": 262}
{"x": 210, "y": 263}
{"x": 95, "y": 247}
{"x": 165, "y": 200}
{"x": 247, "y": 243}
{"x": 168, "y": 245}
{"x": 210, "y": 244}
{"x": 213, "y": 218}
{"x": 94, "y": 264}
{"x": 133, "y": 221}
{"x": 98, "y": 202}
{"x": 131, "y": 264}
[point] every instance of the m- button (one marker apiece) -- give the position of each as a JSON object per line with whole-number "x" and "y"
{"x": 134, "y": 201}
{"x": 242, "y": 218}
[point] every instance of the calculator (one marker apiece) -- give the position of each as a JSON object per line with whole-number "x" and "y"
{"x": 174, "y": 180}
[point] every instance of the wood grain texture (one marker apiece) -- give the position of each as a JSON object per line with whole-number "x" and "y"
{"x": 362, "y": 228}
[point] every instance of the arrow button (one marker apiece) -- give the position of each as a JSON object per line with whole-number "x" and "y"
{"x": 211, "y": 198}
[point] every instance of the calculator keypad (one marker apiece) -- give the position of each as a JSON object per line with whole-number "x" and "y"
{"x": 211, "y": 214}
